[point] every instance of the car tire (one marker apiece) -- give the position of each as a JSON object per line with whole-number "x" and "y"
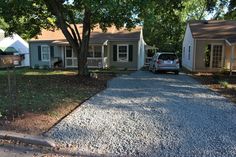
{"x": 176, "y": 72}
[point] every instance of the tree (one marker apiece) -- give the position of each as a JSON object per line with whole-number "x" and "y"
{"x": 162, "y": 26}
{"x": 194, "y": 10}
{"x": 34, "y": 15}
{"x": 231, "y": 14}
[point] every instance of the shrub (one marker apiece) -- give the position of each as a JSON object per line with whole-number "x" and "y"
{"x": 224, "y": 84}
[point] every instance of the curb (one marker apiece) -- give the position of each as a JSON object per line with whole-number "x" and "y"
{"x": 29, "y": 139}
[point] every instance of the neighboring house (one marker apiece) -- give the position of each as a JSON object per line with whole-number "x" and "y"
{"x": 113, "y": 48}
{"x": 209, "y": 46}
{"x": 15, "y": 45}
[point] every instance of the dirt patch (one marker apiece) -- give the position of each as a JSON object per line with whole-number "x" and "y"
{"x": 45, "y": 100}
{"x": 223, "y": 84}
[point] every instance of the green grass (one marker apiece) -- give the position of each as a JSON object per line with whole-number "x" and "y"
{"x": 42, "y": 91}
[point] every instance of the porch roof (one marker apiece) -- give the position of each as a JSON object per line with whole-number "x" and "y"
{"x": 232, "y": 41}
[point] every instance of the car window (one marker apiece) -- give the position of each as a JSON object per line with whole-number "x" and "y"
{"x": 167, "y": 57}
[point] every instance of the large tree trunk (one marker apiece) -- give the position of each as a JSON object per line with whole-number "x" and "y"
{"x": 72, "y": 35}
{"x": 84, "y": 46}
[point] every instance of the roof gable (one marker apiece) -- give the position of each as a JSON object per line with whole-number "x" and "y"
{"x": 213, "y": 29}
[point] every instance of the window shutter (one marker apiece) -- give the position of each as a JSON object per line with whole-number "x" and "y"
{"x": 114, "y": 52}
{"x": 130, "y": 53}
{"x": 39, "y": 53}
{"x": 52, "y": 51}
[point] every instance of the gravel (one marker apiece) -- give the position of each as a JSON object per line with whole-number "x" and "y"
{"x": 147, "y": 114}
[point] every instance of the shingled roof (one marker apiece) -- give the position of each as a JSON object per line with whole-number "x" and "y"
{"x": 214, "y": 29}
{"x": 97, "y": 35}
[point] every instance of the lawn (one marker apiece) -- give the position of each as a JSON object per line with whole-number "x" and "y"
{"x": 44, "y": 97}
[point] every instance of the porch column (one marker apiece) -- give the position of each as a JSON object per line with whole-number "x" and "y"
{"x": 231, "y": 59}
{"x": 103, "y": 66}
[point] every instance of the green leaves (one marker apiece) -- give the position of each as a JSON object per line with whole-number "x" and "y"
{"x": 26, "y": 17}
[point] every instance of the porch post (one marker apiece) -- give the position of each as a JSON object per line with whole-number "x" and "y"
{"x": 231, "y": 59}
{"x": 103, "y": 66}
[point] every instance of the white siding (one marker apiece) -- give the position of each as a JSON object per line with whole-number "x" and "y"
{"x": 141, "y": 51}
{"x": 187, "y": 56}
{"x": 19, "y": 44}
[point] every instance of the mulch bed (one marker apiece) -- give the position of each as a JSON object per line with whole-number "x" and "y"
{"x": 213, "y": 82}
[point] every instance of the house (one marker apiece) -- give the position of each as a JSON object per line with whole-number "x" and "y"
{"x": 15, "y": 45}
{"x": 114, "y": 48}
{"x": 209, "y": 46}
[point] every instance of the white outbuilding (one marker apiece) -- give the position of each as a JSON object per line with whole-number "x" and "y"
{"x": 15, "y": 44}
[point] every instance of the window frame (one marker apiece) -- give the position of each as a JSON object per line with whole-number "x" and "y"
{"x": 43, "y": 53}
{"x": 127, "y": 52}
{"x": 189, "y": 52}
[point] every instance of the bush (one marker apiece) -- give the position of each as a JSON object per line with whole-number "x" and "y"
{"x": 224, "y": 84}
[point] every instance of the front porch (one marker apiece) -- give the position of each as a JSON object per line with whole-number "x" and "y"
{"x": 96, "y": 58}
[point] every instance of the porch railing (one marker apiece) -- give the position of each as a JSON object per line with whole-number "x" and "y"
{"x": 97, "y": 62}
{"x": 147, "y": 61}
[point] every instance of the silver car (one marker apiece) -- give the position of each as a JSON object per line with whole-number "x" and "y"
{"x": 164, "y": 62}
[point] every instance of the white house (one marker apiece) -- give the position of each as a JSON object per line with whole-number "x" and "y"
{"x": 209, "y": 46}
{"x": 17, "y": 45}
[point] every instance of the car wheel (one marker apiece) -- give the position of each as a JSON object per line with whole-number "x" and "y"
{"x": 176, "y": 72}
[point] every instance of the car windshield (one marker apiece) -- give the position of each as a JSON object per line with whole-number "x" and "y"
{"x": 167, "y": 57}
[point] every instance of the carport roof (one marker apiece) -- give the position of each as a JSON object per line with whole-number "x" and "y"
{"x": 214, "y": 29}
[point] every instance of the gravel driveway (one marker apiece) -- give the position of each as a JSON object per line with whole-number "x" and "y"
{"x": 147, "y": 114}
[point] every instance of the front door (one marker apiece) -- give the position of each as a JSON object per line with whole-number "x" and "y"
{"x": 217, "y": 56}
{"x": 70, "y": 58}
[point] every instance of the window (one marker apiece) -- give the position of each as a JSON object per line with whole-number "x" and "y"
{"x": 189, "y": 51}
{"x": 217, "y": 54}
{"x": 122, "y": 54}
{"x": 95, "y": 51}
{"x": 207, "y": 55}
{"x": 90, "y": 52}
{"x": 45, "y": 53}
{"x": 68, "y": 52}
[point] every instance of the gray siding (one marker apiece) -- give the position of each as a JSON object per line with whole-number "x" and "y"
{"x": 34, "y": 58}
{"x": 33, "y": 47}
{"x": 122, "y": 65}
